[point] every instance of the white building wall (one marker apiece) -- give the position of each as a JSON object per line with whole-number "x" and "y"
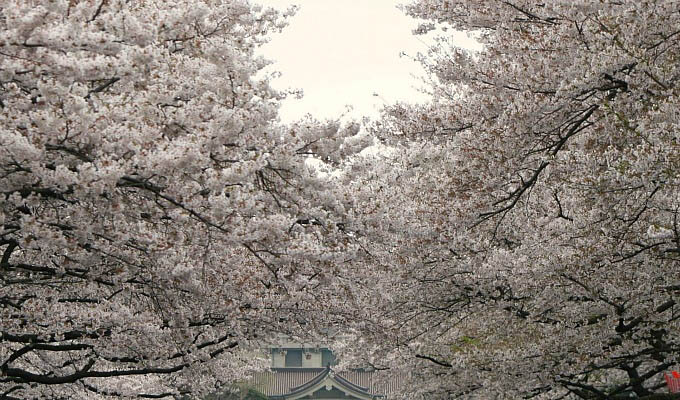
{"x": 278, "y": 359}
{"x": 311, "y": 359}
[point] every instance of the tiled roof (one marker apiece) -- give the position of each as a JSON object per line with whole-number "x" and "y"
{"x": 282, "y": 381}
{"x": 285, "y": 381}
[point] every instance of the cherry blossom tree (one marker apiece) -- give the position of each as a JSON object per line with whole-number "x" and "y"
{"x": 525, "y": 229}
{"x": 156, "y": 221}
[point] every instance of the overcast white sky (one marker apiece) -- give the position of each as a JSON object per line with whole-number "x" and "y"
{"x": 341, "y": 52}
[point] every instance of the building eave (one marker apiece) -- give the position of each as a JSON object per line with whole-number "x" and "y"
{"x": 327, "y": 379}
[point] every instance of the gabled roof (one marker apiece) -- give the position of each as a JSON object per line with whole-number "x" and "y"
{"x": 328, "y": 380}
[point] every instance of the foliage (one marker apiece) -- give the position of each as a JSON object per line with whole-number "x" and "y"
{"x": 525, "y": 230}
{"x": 155, "y": 221}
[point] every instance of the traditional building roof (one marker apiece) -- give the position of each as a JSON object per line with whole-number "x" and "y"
{"x": 317, "y": 383}
{"x": 305, "y": 371}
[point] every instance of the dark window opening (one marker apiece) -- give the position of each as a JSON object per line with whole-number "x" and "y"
{"x": 293, "y": 358}
{"x": 327, "y": 358}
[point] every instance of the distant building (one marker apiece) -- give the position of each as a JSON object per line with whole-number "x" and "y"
{"x": 306, "y": 373}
